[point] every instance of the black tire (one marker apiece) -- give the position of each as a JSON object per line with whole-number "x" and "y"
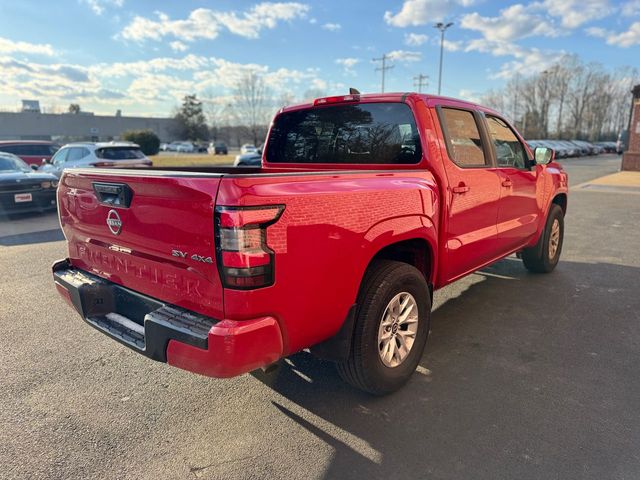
{"x": 364, "y": 369}
{"x": 538, "y": 259}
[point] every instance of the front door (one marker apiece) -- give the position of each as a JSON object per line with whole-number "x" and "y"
{"x": 518, "y": 213}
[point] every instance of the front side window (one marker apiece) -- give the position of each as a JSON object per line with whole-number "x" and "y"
{"x": 464, "y": 143}
{"x": 367, "y": 133}
{"x": 509, "y": 150}
{"x": 60, "y": 157}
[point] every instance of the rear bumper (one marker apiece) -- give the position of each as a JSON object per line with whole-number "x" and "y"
{"x": 167, "y": 333}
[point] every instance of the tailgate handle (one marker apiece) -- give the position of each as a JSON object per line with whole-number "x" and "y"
{"x": 119, "y": 194}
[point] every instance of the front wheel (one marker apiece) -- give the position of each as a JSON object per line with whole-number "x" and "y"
{"x": 391, "y": 328}
{"x": 544, "y": 257}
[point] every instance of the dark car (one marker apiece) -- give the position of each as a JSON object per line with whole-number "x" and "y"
{"x": 22, "y": 189}
{"x": 31, "y": 151}
{"x": 218, "y": 148}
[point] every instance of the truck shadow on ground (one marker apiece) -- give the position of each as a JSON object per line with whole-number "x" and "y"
{"x": 518, "y": 370}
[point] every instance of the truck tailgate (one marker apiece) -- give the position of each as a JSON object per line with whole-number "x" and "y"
{"x": 150, "y": 231}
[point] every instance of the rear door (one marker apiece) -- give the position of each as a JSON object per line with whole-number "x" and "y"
{"x": 152, "y": 232}
{"x": 518, "y": 213}
{"x": 473, "y": 194}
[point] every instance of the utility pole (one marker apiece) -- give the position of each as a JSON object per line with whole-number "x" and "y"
{"x": 421, "y": 81}
{"x": 383, "y": 68}
{"x": 443, "y": 28}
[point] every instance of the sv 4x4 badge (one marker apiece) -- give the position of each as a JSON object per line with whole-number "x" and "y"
{"x": 197, "y": 258}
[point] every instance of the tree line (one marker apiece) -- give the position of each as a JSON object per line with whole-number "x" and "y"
{"x": 243, "y": 117}
{"x": 569, "y": 100}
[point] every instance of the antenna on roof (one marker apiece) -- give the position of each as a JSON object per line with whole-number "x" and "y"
{"x": 354, "y": 91}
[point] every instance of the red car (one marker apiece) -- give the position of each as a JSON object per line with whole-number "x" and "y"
{"x": 31, "y": 151}
{"x": 364, "y": 205}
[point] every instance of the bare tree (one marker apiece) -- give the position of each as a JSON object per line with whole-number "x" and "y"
{"x": 253, "y": 105}
{"x": 568, "y": 100}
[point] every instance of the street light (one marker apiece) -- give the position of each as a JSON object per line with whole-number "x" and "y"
{"x": 442, "y": 27}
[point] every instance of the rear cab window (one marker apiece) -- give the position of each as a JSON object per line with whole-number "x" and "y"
{"x": 363, "y": 133}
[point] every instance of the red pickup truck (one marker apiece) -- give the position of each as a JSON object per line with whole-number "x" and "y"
{"x": 363, "y": 205}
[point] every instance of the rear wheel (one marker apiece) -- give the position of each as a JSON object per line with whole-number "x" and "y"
{"x": 391, "y": 328}
{"x": 544, "y": 257}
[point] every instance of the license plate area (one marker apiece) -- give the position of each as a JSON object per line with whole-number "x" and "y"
{"x": 22, "y": 197}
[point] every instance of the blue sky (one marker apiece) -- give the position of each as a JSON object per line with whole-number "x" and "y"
{"x": 143, "y": 56}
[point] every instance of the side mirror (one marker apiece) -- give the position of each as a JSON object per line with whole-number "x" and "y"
{"x": 543, "y": 155}
{"x": 34, "y": 167}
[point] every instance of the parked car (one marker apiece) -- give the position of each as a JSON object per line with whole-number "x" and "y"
{"x": 185, "y": 147}
{"x": 583, "y": 148}
{"x": 22, "y": 188}
{"x": 623, "y": 142}
{"x": 572, "y": 149}
{"x": 335, "y": 244}
{"x": 248, "y": 148}
{"x": 112, "y": 154}
{"x": 31, "y": 151}
{"x": 218, "y": 148}
{"x": 164, "y": 147}
{"x": 252, "y": 159}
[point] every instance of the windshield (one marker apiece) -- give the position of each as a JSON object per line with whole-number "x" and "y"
{"x": 369, "y": 133}
{"x": 12, "y": 164}
{"x": 119, "y": 153}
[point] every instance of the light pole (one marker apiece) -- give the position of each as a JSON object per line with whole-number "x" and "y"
{"x": 443, "y": 28}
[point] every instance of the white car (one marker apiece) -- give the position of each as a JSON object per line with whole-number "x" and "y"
{"x": 83, "y": 155}
{"x": 248, "y": 148}
{"x": 185, "y": 147}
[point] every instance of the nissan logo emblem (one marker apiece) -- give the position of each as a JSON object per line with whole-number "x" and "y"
{"x": 113, "y": 222}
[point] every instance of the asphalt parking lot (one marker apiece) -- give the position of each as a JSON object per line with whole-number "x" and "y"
{"x": 525, "y": 377}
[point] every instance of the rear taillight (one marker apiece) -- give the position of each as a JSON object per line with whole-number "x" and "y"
{"x": 245, "y": 260}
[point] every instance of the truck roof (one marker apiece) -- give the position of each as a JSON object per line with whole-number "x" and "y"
{"x": 390, "y": 97}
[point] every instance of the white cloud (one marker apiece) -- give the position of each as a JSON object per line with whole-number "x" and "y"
{"x": 469, "y": 95}
{"x": 625, "y": 39}
{"x": 99, "y": 6}
{"x": 207, "y": 24}
{"x": 348, "y": 62}
{"x": 423, "y": 12}
{"x": 514, "y": 22}
{"x": 404, "y": 56}
{"x": 9, "y": 46}
{"x": 452, "y": 46}
{"x": 631, "y": 8}
{"x": 332, "y": 27}
{"x": 415, "y": 39}
{"x": 527, "y": 60}
{"x": 178, "y": 46}
{"x": 574, "y": 13}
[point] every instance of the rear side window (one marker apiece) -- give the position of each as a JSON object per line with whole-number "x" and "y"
{"x": 463, "y": 138}
{"x": 35, "y": 150}
{"x": 369, "y": 133}
{"x": 77, "y": 153}
{"x": 119, "y": 153}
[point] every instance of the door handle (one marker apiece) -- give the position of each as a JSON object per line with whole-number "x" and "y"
{"x": 507, "y": 183}
{"x": 462, "y": 188}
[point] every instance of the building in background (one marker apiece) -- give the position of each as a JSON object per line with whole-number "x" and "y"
{"x": 31, "y": 124}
